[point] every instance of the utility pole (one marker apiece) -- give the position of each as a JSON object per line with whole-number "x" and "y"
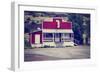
{"x": 84, "y": 36}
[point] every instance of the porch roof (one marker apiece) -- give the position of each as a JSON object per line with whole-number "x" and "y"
{"x": 57, "y": 31}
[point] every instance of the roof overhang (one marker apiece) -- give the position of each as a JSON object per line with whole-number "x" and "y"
{"x": 57, "y": 31}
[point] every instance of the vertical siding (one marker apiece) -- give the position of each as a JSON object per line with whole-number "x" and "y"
{"x": 66, "y": 25}
{"x": 50, "y": 25}
{"x": 32, "y": 37}
{"x": 53, "y": 24}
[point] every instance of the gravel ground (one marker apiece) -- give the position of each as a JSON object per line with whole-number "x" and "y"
{"x": 40, "y": 54}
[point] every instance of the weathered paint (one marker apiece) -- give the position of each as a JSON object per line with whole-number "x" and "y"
{"x": 32, "y": 37}
{"x": 53, "y": 24}
{"x": 64, "y": 26}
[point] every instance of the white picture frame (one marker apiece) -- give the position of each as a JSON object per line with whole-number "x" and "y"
{"x": 17, "y": 50}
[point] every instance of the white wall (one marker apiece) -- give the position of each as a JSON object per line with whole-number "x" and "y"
{"x": 5, "y": 30}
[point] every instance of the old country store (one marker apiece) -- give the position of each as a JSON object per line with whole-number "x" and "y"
{"x": 54, "y": 32}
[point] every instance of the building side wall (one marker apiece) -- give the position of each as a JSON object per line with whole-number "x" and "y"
{"x": 32, "y": 37}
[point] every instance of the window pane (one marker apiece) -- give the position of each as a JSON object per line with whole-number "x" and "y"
{"x": 48, "y": 37}
{"x": 65, "y": 36}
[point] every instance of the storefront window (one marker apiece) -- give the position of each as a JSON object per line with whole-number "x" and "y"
{"x": 48, "y": 36}
{"x": 66, "y": 37}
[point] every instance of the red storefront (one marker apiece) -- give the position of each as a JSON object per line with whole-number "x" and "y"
{"x": 53, "y": 33}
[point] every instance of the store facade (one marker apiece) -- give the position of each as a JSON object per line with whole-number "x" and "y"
{"x": 55, "y": 32}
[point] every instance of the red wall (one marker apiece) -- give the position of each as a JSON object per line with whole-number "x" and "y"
{"x": 53, "y": 25}
{"x": 32, "y": 37}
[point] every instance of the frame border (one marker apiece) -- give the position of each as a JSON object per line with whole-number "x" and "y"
{"x": 15, "y": 29}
